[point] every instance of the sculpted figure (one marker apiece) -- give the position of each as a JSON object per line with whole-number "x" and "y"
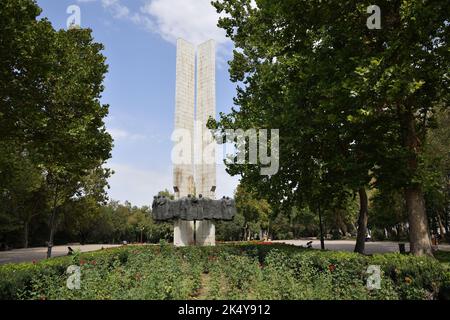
{"x": 220, "y": 209}
{"x": 174, "y": 209}
{"x": 184, "y": 207}
{"x": 164, "y": 208}
{"x": 154, "y": 208}
{"x": 191, "y": 208}
{"x": 233, "y": 208}
{"x": 229, "y": 209}
{"x": 207, "y": 206}
{"x": 200, "y": 207}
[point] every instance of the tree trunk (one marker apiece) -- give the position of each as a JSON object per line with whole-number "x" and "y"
{"x": 418, "y": 223}
{"x": 50, "y": 241}
{"x": 52, "y": 226}
{"x": 362, "y": 221}
{"x": 441, "y": 226}
{"x": 419, "y": 237}
{"x": 447, "y": 231}
{"x": 25, "y": 234}
{"x": 322, "y": 239}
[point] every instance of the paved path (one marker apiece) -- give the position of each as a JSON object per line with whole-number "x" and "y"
{"x": 349, "y": 245}
{"x": 36, "y": 254}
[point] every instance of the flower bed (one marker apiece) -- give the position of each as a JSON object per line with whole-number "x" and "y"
{"x": 238, "y": 271}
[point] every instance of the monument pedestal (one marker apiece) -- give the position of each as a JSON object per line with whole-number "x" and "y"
{"x": 187, "y": 233}
{"x": 205, "y": 233}
{"x": 183, "y": 233}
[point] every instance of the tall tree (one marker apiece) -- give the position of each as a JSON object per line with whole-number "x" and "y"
{"x": 50, "y": 93}
{"x": 405, "y": 80}
{"x": 287, "y": 69}
{"x": 347, "y": 99}
{"x": 75, "y": 140}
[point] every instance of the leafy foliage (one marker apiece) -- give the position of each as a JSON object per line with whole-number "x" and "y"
{"x": 53, "y": 138}
{"x": 246, "y": 271}
{"x": 353, "y": 105}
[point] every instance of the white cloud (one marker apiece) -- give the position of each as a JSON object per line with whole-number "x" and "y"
{"x": 193, "y": 20}
{"x": 118, "y": 10}
{"x": 120, "y": 134}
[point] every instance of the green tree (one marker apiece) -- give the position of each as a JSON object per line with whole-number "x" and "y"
{"x": 255, "y": 211}
{"x": 389, "y": 212}
{"x": 50, "y": 100}
{"x": 76, "y": 140}
{"x": 22, "y": 189}
{"x": 437, "y": 165}
{"x": 405, "y": 79}
{"x": 81, "y": 213}
{"x": 350, "y": 102}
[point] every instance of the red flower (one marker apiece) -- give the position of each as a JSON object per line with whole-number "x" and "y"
{"x": 82, "y": 262}
{"x": 331, "y": 267}
{"x": 94, "y": 262}
{"x": 34, "y": 261}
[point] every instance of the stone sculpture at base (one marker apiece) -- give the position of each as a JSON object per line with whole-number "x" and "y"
{"x": 191, "y": 208}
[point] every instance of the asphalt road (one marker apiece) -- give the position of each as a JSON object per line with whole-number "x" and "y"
{"x": 349, "y": 245}
{"x": 36, "y": 254}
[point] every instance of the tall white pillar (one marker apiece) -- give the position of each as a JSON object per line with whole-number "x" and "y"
{"x": 204, "y": 146}
{"x": 205, "y": 173}
{"x": 183, "y": 173}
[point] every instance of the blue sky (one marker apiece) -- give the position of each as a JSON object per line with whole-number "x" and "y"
{"x": 139, "y": 38}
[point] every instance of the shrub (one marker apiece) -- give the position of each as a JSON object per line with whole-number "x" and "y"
{"x": 240, "y": 271}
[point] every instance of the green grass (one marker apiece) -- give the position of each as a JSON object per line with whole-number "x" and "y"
{"x": 238, "y": 271}
{"x": 443, "y": 257}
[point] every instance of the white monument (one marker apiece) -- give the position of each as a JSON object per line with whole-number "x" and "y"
{"x": 195, "y": 104}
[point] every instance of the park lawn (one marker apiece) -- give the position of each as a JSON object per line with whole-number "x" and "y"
{"x": 238, "y": 271}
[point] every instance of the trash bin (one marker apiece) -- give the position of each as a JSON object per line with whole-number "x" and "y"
{"x": 401, "y": 247}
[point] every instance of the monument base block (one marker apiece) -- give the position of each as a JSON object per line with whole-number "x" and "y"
{"x": 188, "y": 233}
{"x": 183, "y": 233}
{"x": 205, "y": 233}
